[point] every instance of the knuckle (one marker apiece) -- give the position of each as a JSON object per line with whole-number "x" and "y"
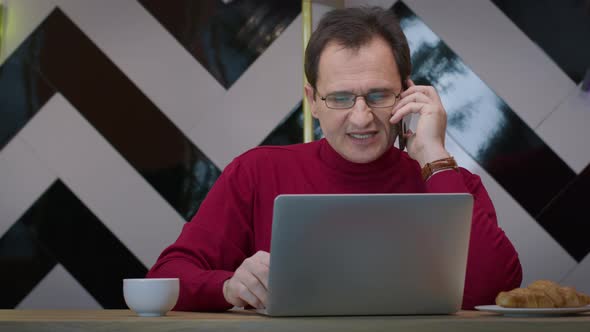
{"x": 257, "y": 288}
{"x": 242, "y": 291}
{"x": 247, "y": 263}
{"x": 262, "y": 254}
{"x": 255, "y": 268}
{"x": 234, "y": 279}
{"x": 250, "y": 282}
{"x": 239, "y": 274}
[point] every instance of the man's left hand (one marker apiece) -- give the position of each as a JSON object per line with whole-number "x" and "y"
{"x": 427, "y": 144}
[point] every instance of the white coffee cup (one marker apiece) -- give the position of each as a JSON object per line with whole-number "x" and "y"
{"x": 151, "y": 297}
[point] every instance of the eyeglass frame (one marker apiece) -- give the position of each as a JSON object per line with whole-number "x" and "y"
{"x": 397, "y": 97}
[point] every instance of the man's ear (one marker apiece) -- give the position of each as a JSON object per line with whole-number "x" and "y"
{"x": 309, "y": 93}
{"x": 405, "y": 83}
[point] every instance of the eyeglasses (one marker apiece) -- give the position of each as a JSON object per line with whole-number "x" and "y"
{"x": 346, "y": 100}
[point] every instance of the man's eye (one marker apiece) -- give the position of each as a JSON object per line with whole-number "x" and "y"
{"x": 376, "y": 96}
{"x": 340, "y": 98}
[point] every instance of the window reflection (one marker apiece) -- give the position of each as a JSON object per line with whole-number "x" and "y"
{"x": 474, "y": 111}
{"x": 481, "y": 122}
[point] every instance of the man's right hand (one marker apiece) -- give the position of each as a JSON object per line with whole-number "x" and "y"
{"x": 249, "y": 285}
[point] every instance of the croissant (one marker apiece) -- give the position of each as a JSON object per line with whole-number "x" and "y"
{"x": 542, "y": 294}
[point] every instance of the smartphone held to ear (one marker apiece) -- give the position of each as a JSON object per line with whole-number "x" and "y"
{"x": 404, "y": 126}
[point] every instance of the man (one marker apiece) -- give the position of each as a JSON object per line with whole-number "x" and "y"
{"x": 358, "y": 66}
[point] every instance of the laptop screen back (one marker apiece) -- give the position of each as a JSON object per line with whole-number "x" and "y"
{"x": 368, "y": 254}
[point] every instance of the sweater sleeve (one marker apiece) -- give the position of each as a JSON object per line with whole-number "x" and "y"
{"x": 492, "y": 261}
{"x": 212, "y": 245}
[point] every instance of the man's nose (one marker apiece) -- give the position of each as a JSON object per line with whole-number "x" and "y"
{"x": 361, "y": 114}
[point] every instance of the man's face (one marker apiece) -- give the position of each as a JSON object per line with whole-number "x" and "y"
{"x": 359, "y": 134}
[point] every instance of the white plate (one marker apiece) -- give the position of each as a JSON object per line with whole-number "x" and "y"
{"x": 532, "y": 311}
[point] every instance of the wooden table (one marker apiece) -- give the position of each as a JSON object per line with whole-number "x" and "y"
{"x": 124, "y": 320}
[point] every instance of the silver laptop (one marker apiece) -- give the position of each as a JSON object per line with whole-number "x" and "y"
{"x": 376, "y": 254}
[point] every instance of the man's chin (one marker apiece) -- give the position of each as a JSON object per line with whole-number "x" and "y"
{"x": 363, "y": 157}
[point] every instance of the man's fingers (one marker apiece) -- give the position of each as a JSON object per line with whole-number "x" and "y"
{"x": 245, "y": 294}
{"x": 262, "y": 257}
{"x": 259, "y": 267}
{"x": 262, "y": 275}
{"x": 411, "y": 89}
{"x": 252, "y": 277}
{"x": 416, "y": 97}
{"x": 232, "y": 293}
{"x": 427, "y": 90}
{"x": 254, "y": 285}
{"x": 411, "y": 107}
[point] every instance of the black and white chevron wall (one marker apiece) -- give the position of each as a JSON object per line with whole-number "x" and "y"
{"x": 116, "y": 117}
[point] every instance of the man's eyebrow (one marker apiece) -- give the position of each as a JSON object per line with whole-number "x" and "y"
{"x": 373, "y": 90}
{"x": 380, "y": 90}
{"x": 340, "y": 92}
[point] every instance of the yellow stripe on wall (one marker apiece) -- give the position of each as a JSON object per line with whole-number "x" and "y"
{"x": 307, "y": 118}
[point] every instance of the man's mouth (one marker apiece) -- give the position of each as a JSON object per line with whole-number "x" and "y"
{"x": 362, "y": 136}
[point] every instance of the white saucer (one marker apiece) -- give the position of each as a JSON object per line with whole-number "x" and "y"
{"x": 532, "y": 311}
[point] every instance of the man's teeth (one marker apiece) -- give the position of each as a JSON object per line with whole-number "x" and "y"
{"x": 359, "y": 136}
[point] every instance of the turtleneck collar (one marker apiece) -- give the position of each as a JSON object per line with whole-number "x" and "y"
{"x": 334, "y": 160}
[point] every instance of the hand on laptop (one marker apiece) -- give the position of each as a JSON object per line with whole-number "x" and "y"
{"x": 249, "y": 285}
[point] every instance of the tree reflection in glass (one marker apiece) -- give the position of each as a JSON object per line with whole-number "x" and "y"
{"x": 480, "y": 121}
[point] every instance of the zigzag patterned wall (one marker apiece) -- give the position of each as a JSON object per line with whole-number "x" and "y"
{"x": 117, "y": 117}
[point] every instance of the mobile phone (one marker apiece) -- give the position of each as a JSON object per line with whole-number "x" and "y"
{"x": 404, "y": 125}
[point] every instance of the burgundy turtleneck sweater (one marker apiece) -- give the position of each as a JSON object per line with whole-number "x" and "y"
{"x": 235, "y": 220}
